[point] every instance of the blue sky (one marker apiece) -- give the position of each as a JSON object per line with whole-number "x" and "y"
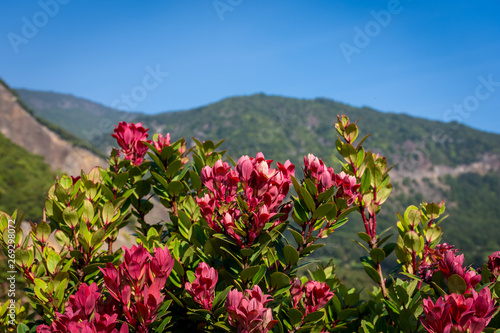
{"x": 432, "y": 59}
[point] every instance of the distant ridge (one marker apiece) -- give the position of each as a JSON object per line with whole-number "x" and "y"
{"x": 60, "y": 149}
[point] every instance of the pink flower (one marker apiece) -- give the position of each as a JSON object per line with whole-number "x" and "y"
{"x": 457, "y": 313}
{"x": 494, "y": 266}
{"x": 137, "y": 283}
{"x": 317, "y": 294}
{"x": 296, "y": 292}
{"x": 313, "y": 165}
{"x": 311, "y": 296}
{"x": 203, "y": 287}
{"x": 451, "y": 265}
{"x": 247, "y": 311}
{"x": 484, "y": 308}
{"x": 323, "y": 177}
{"x": 347, "y": 187}
{"x": 162, "y": 142}
{"x": 130, "y": 138}
{"x": 430, "y": 262}
{"x": 82, "y": 315}
{"x": 437, "y": 316}
{"x": 263, "y": 189}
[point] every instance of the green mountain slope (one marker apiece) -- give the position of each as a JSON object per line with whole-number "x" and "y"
{"x": 287, "y": 127}
{"x": 86, "y": 120}
{"x": 24, "y": 179}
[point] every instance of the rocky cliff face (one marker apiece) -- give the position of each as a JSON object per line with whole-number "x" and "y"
{"x": 21, "y": 127}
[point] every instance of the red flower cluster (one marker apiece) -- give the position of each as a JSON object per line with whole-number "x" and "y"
{"x": 130, "y": 138}
{"x": 263, "y": 188}
{"x": 84, "y": 314}
{"x": 451, "y": 264}
{"x": 248, "y": 312}
{"x": 324, "y": 178}
{"x": 430, "y": 261}
{"x": 137, "y": 283}
{"x": 203, "y": 287}
{"x": 313, "y": 294}
{"x": 456, "y": 313}
{"x": 162, "y": 142}
{"x": 494, "y": 266}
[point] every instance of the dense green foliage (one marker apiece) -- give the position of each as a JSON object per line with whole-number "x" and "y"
{"x": 24, "y": 178}
{"x": 475, "y": 212}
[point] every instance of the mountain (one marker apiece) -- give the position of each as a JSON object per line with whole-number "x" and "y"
{"x": 62, "y": 150}
{"x": 434, "y": 160}
{"x": 88, "y": 121}
{"x": 32, "y": 153}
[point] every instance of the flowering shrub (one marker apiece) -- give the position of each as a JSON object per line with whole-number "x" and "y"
{"x": 227, "y": 257}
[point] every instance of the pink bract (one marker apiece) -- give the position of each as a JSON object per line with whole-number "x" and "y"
{"x": 130, "y": 137}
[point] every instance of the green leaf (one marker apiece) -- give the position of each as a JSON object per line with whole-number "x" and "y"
{"x": 388, "y": 248}
{"x": 296, "y": 185}
{"x": 22, "y": 257}
{"x": 88, "y": 210}
{"x": 142, "y": 188}
{"x": 52, "y": 260}
{"x": 311, "y": 248}
{"x": 348, "y": 313}
{"x": 40, "y": 288}
{"x": 372, "y": 273}
{"x": 365, "y": 182}
{"x": 195, "y": 180}
{"x": 259, "y": 275}
{"x": 311, "y": 188}
{"x": 97, "y": 238}
{"x": 433, "y": 233}
{"x": 173, "y": 168}
{"x": 22, "y": 328}
{"x": 412, "y": 241}
{"x": 120, "y": 180}
{"x": 220, "y": 297}
{"x": 279, "y": 280}
{"x": 407, "y": 212}
{"x": 377, "y": 255}
{"x": 349, "y": 153}
{"x": 248, "y": 273}
{"x": 314, "y": 317}
{"x": 326, "y": 194}
{"x": 291, "y": 255}
{"x": 364, "y": 236}
{"x": 299, "y": 214}
{"x": 295, "y": 316}
{"x": 383, "y": 193}
{"x": 108, "y": 212}
{"x": 297, "y": 236}
{"x": 43, "y": 231}
{"x": 408, "y": 320}
{"x": 304, "y": 194}
{"x": 70, "y": 216}
{"x": 175, "y": 188}
{"x": 351, "y": 132}
{"x": 322, "y": 210}
{"x": 456, "y": 284}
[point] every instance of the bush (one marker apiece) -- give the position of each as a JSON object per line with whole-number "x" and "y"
{"x": 221, "y": 262}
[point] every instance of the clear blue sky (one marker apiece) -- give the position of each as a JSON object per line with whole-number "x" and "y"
{"x": 432, "y": 59}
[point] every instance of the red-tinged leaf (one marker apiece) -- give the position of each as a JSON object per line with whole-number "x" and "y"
{"x": 112, "y": 288}
{"x": 142, "y": 312}
{"x": 126, "y": 292}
